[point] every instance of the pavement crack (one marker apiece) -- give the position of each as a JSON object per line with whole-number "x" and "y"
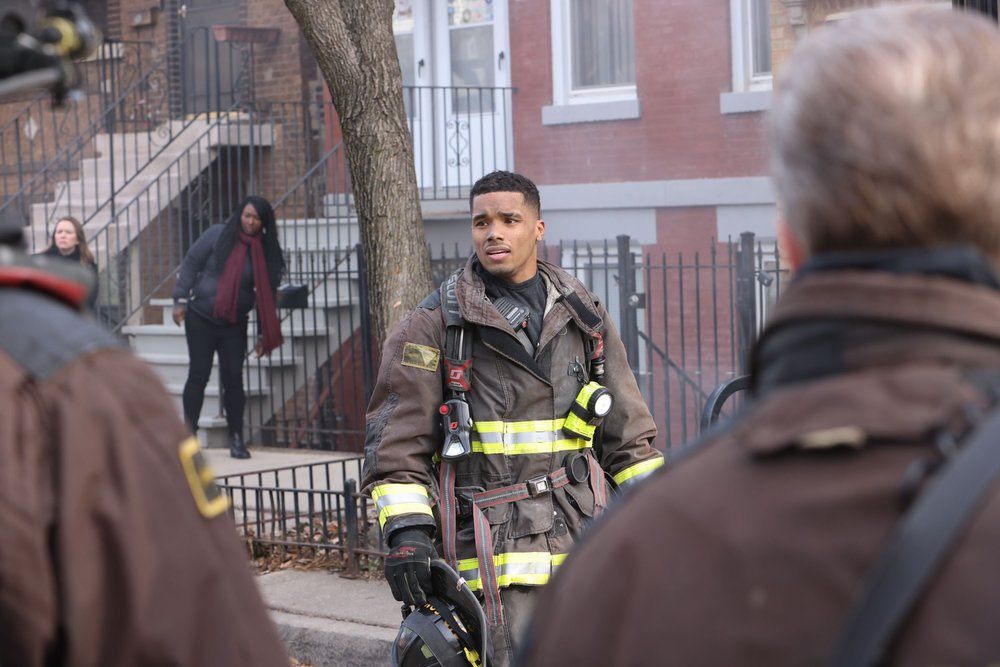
{"x": 332, "y": 617}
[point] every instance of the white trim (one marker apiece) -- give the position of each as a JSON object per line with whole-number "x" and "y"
{"x": 744, "y": 102}
{"x": 659, "y": 194}
{"x": 562, "y": 87}
{"x": 741, "y": 45}
{"x": 589, "y": 113}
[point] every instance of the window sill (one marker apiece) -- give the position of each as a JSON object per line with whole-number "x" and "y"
{"x": 590, "y": 112}
{"x": 745, "y": 102}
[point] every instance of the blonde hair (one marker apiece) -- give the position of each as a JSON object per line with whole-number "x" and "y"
{"x": 885, "y": 132}
{"x": 86, "y": 257}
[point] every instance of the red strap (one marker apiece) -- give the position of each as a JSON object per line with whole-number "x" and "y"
{"x": 446, "y": 507}
{"x": 515, "y": 492}
{"x": 487, "y": 570}
{"x": 598, "y": 485}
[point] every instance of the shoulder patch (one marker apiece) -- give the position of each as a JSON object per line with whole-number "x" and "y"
{"x": 420, "y": 356}
{"x": 209, "y": 498}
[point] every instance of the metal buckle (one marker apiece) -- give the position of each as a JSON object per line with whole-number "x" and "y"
{"x": 538, "y": 485}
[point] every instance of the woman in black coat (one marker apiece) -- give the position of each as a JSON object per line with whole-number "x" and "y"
{"x": 229, "y": 270}
{"x": 69, "y": 242}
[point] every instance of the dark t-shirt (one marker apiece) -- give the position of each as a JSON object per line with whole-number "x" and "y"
{"x": 531, "y": 293}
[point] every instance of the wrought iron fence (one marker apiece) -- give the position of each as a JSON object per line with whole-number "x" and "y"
{"x": 988, "y": 7}
{"x": 88, "y": 172}
{"x": 687, "y": 319}
{"x": 37, "y": 133}
{"x": 314, "y": 509}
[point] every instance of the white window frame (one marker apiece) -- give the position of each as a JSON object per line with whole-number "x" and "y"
{"x": 562, "y": 72}
{"x": 742, "y": 50}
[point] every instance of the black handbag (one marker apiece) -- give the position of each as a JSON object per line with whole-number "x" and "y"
{"x": 293, "y": 296}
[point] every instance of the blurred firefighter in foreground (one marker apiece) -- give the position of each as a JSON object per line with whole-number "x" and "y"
{"x": 848, "y": 514}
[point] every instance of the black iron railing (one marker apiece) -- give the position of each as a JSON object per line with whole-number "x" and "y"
{"x": 38, "y": 133}
{"x": 988, "y": 7}
{"x": 90, "y": 172}
{"x": 313, "y": 508}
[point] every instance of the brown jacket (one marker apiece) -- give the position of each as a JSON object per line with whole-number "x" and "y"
{"x": 765, "y": 531}
{"x": 106, "y": 556}
{"x": 509, "y": 389}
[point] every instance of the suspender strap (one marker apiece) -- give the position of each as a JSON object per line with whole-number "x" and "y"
{"x": 918, "y": 546}
{"x": 487, "y": 569}
{"x": 446, "y": 508}
{"x": 599, "y": 485}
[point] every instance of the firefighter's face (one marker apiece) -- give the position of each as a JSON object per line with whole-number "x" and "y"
{"x": 505, "y": 233}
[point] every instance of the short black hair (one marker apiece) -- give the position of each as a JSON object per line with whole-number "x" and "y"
{"x": 507, "y": 181}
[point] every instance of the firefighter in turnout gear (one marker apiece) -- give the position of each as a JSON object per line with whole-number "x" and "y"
{"x": 467, "y": 442}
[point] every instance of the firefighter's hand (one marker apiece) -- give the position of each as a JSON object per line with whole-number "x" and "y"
{"x": 408, "y": 565}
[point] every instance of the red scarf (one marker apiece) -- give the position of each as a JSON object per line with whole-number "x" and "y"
{"x": 228, "y": 292}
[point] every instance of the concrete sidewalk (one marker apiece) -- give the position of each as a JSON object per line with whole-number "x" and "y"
{"x": 326, "y": 620}
{"x": 323, "y": 618}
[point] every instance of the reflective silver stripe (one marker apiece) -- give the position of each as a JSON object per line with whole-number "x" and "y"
{"x": 520, "y": 438}
{"x": 401, "y": 499}
{"x": 531, "y": 569}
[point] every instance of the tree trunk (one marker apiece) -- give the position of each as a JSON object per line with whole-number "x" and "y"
{"x": 353, "y": 44}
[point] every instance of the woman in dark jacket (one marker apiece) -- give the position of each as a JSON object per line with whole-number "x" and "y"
{"x": 69, "y": 242}
{"x": 231, "y": 268}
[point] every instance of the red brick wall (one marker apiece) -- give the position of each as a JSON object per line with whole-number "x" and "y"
{"x": 682, "y": 65}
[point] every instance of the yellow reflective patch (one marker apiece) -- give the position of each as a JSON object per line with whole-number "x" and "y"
{"x": 420, "y": 356}
{"x": 210, "y": 500}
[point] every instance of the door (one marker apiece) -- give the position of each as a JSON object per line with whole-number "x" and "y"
{"x": 211, "y": 69}
{"x": 456, "y": 78}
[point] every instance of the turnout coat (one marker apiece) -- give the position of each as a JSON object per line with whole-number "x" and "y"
{"x": 518, "y": 403}
{"x": 863, "y": 381}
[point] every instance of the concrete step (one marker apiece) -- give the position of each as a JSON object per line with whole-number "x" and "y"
{"x": 173, "y": 368}
{"x": 211, "y": 407}
{"x": 318, "y": 233}
{"x": 169, "y": 339}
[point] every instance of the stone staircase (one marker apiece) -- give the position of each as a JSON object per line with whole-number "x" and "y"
{"x": 311, "y": 334}
{"x": 147, "y": 177}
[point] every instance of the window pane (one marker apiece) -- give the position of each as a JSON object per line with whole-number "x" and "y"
{"x": 472, "y": 65}
{"x": 602, "y": 50}
{"x": 466, "y": 12}
{"x": 760, "y": 33}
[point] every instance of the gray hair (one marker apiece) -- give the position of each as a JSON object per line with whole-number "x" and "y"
{"x": 885, "y": 132}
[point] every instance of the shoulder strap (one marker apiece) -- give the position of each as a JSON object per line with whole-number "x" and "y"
{"x": 458, "y": 338}
{"x": 919, "y": 544}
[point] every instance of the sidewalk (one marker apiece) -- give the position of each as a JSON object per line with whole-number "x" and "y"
{"x": 324, "y": 619}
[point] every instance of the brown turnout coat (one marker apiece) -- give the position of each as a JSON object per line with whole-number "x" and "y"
{"x": 764, "y": 532}
{"x": 508, "y": 386}
{"x": 105, "y": 557}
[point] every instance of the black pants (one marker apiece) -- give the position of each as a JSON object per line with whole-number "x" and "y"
{"x": 204, "y": 340}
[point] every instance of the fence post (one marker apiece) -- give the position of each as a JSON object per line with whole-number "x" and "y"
{"x": 628, "y": 313}
{"x": 366, "y": 323}
{"x": 746, "y": 301}
{"x": 351, "y": 529}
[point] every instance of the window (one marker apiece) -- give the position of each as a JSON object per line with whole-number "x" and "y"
{"x": 751, "y": 32}
{"x": 470, "y": 36}
{"x": 593, "y": 51}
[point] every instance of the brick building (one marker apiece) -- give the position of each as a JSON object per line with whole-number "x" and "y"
{"x": 637, "y": 118}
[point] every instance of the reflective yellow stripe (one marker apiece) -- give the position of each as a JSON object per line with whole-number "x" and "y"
{"x": 533, "y": 568}
{"x": 524, "y": 437}
{"x": 636, "y": 472}
{"x": 396, "y": 499}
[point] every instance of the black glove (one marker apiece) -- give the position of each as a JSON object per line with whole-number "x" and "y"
{"x": 408, "y": 565}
